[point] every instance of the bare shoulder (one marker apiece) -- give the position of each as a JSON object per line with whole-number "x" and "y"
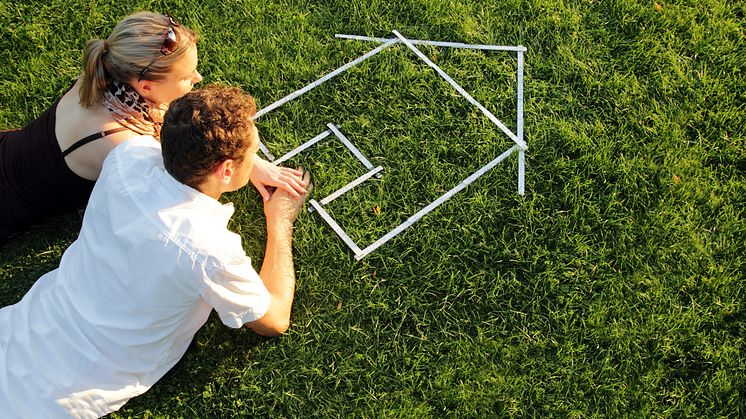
{"x": 75, "y": 122}
{"x": 87, "y": 161}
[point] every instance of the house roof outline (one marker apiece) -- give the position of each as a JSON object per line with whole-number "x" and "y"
{"x": 332, "y": 130}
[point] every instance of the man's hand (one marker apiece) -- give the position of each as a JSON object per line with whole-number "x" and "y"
{"x": 265, "y": 175}
{"x": 282, "y": 208}
{"x": 277, "y": 273}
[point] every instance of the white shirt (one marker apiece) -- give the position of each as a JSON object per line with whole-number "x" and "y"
{"x": 153, "y": 258}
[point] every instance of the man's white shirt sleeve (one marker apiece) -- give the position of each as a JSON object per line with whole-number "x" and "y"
{"x": 237, "y": 293}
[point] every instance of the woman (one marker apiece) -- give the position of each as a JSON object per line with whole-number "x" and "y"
{"x": 128, "y": 80}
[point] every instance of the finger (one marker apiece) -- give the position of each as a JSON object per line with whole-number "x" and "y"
{"x": 263, "y": 191}
{"x": 287, "y": 187}
{"x": 307, "y": 180}
{"x": 296, "y": 176}
{"x": 295, "y": 172}
{"x": 297, "y": 184}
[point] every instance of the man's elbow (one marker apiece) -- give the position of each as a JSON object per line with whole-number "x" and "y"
{"x": 276, "y": 329}
{"x": 271, "y": 328}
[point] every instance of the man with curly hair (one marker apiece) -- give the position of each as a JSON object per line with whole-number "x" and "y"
{"x": 153, "y": 258}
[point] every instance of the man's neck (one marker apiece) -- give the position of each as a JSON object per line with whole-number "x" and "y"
{"x": 211, "y": 189}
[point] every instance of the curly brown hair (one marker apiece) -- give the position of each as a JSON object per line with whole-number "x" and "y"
{"x": 204, "y": 128}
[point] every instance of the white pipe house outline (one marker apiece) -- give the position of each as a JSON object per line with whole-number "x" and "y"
{"x": 518, "y": 137}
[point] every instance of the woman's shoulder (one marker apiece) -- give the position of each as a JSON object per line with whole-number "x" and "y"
{"x": 74, "y": 121}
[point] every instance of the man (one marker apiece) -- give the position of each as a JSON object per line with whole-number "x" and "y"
{"x": 153, "y": 258}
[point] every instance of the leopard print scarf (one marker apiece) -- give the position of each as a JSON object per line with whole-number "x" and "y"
{"x": 133, "y": 111}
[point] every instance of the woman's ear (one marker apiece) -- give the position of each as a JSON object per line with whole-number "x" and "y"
{"x": 143, "y": 87}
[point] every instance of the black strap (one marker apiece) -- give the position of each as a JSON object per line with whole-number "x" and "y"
{"x": 92, "y": 137}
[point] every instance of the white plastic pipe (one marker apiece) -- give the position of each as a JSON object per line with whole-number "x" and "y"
{"x": 463, "y": 92}
{"x": 437, "y": 43}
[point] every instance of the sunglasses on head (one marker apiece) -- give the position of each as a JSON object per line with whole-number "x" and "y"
{"x": 169, "y": 45}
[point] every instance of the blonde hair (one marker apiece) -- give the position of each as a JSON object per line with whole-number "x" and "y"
{"x": 133, "y": 44}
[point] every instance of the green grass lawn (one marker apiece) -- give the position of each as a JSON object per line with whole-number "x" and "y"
{"x": 614, "y": 287}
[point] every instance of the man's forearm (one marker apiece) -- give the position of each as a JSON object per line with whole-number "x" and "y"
{"x": 278, "y": 273}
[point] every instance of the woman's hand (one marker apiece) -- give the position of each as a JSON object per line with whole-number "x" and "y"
{"x": 265, "y": 174}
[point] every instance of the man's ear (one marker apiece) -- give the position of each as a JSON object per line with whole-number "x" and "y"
{"x": 225, "y": 171}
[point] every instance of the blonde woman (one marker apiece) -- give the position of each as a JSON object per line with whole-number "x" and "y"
{"x": 128, "y": 80}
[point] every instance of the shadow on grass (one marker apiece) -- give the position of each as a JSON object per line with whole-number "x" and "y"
{"x": 30, "y": 254}
{"x": 214, "y": 366}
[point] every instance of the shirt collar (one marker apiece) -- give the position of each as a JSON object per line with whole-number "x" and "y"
{"x": 213, "y": 207}
{"x": 223, "y": 211}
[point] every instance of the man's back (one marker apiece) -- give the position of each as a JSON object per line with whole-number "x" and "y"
{"x": 153, "y": 258}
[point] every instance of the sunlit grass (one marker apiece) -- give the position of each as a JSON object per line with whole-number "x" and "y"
{"x": 614, "y": 287}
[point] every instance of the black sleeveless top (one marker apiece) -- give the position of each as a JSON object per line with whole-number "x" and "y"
{"x": 34, "y": 179}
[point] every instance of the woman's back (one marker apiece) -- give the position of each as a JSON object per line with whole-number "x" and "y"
{"x": 35, "y": 181}
{"x": 49, "y": 166}
{"x": 75, "y": 122}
